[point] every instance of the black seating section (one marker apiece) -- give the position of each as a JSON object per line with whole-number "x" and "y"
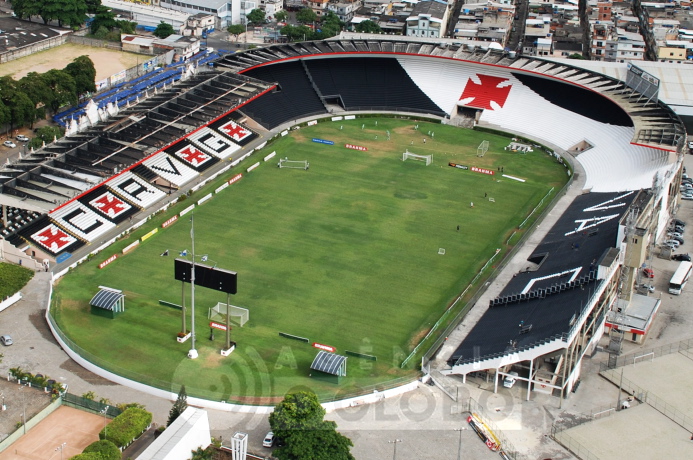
{"x": 296, "y": 99}
{"x": 370, "y": 83}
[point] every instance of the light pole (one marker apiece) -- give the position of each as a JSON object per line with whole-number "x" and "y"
{"x": 394, "y": 453}
{"x": 23, "y": 407}
{"x": 192, "y": 354}
{"x": 60, "y": 448}
{"x": 104, "y": 411}
{"x": 459, "y": 445}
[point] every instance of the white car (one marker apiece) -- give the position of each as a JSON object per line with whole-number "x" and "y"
{"x": 269, "y": 440}
{"x": 9, "y": 144}
{"x": 22, "y": 138}
{"x": 510, "y": 379}
{"x": 687, "y": 197}
{"x": 672, "y": 244}
{"x": 650, "y": 288}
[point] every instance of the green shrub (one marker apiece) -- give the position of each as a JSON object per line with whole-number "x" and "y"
{"x": 88, "y": 456}
{"x": 105, "y": 448}
{"x": 127, "y": 426}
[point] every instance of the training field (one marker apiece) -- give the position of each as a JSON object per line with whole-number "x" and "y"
{"x": 345, "y": 254}
{"x": 106, "y": 61}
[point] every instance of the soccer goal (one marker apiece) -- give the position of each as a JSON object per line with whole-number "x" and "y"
{"x": 237, "y": 315}
{"x": 482, "y": 149}
{"x": 413, "y": 156}
{"x": 293, "y": 164}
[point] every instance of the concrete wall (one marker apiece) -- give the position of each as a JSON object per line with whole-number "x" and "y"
{"x": 33, "y": 48}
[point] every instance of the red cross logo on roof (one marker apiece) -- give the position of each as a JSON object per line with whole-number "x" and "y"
{"x": 235, "y": 131}
{"x": 110, "y": 205}
{"x": 53, "y": 238}
{"x": 490, "y": 93}
{"x": 193, "y": 156}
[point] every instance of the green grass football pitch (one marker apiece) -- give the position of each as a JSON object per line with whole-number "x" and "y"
{"x": 345, "y": 254}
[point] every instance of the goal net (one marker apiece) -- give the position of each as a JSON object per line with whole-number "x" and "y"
{"x": 293, "y": 164}
{"x": 237, "y": 315}
{"x": 413, "y": 156}
{"x": 482, "y": 149}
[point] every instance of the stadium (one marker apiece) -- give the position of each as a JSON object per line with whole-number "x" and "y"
{"x": 64, "y": 203}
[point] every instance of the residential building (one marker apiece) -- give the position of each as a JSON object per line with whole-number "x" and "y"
{"x": 344, "y": 9}
{"x": 271, "y": 8}
{"x": 428, "y": 19}
{"x": 199, "y": 24}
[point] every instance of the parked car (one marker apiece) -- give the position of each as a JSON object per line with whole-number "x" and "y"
{"x": 269, "y": 440}
{"x": 22, "y": 138}
{"x": 672, "y": 244}
{"x": 678, "y": 222}
{"x": 510, "y": 379}
{"x": 677, "y": 238}
{"x": 677, "y": 234}
{"x": 650, "y": 288}
{"x": 648, "y": 272}
{"x": 682, "y": 257}
{"x": 9, "y": 144}
{"x": 687, "y": 197}
{"x": 6, "y": 340}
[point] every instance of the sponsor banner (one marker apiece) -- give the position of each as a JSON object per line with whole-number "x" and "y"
{"x": 253, "y": 167}
{"x": 312, "y": 122}
{"x": 324, "y": 347}
{"x": 138, "y": 224}
{"x": 323, "y": 141}
{"x": 169, "y": 222}
{"x": 270, "y": 156}
{"x": 204, "y": 198}
{"x": 130, "y": 247}
{"x": 455, "y": 165}
{"x": 149, "y": 65}
{"x": 215, "y": 325}
{"x": 197, "y": 187}
{"x": 117, "y": 77}
{"x": 235, "y": 178}
{"x": 355, "y": 147}
{"x": 260, "y": 146}
{"x": 235, "y": 162}
{"x": 285, "y": 132}
{"x": 350, "y": 117}
{"x": 108, "y": 261}
{"x": 186, "y": 210}
{"x": 514, "y": 178}
{"x": 101, "y": 84}
{"x": 63, "y": 257}
{"x": 337, "y": 118}
{"x": 483, "y": 170}
{"x": 149, "y": 235}
{"x": 222, "y": 187}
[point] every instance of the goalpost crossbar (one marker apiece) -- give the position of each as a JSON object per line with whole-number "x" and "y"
{"x": 428, "y": 159}
{"x": 293, "y": 164}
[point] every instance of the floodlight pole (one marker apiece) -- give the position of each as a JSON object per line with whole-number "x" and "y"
{"x": 228, "y": 328}
{"x": 192, "y": 354}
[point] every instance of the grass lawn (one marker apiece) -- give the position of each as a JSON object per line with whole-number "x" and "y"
{"x": 13, "y": 278}
{"x": 344, "y": 254}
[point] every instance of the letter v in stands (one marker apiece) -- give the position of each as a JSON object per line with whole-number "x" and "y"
{"x": 485, "y": 92}
{"x": 170, "y": 169}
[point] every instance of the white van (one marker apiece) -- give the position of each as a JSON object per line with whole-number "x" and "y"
{"x": 510, "y": 379}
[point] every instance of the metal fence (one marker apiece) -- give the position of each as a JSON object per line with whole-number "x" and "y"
{"x": 660, "y": 405}
{"x": 508, "y": 448}
{"x": 632, "y": 358}
{"x": 573, "y": 446}
{"x": 96, "y": 407}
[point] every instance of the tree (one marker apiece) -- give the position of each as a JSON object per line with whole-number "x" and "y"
{"x": 306, "y": 16}
{"x": 201, "y": 454}
{"x": 298, "y": 420}
{"x": 63, "y": 86}
{"x": 178, "y": 407}
{"x": 329, "y": 26}
{"x": 256, "y": 16}
{"x": 71, "y": 12}
{"x": 368, "y": 27}
{"x": 92, "y": 6}
{"x": 105, "y": 448}
{"x": 34, "y": 86}
{"x": 281, "y": 16}
{"x": 83, "y": 72}
{"x": 47, "y": 134}
{"x": 235, "y": 30}
{"x": 126, "y": 27}
{"x": 163, "y": 30}
{"x": 576, "y": 56}
{"x": 24, "y": 9}
{"x": 104, "y": 17}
